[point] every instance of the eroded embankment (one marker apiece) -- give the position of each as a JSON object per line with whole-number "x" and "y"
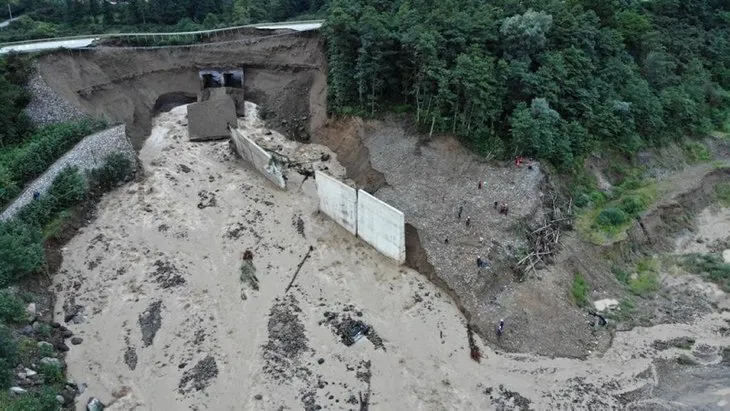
{"x": 284, "y": 73}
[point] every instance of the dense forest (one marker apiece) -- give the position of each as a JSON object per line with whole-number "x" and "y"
{"x": 51, "y": 18}
{"x": 552, "y": 79}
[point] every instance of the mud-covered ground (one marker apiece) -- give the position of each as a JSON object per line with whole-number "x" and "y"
{"x": 154, "y": 286}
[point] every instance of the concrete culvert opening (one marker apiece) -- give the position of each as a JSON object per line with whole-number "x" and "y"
{"x": 168, "y": 101}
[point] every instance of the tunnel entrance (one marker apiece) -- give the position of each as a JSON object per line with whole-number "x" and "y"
{"x": 167, "y": 101}
{"x": 212, "y": 78}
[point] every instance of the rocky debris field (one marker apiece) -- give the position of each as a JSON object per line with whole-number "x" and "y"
{"x": 197, "y": 344}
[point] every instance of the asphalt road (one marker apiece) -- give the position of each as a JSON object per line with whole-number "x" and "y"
{"x": 76, "y": 43}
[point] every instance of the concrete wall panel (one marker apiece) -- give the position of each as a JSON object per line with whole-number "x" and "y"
{"x": 337, "y": 200}
{"x": 381, "y": 226}
{"x": 259, "y": 158}
{"x": 209, "y": 120}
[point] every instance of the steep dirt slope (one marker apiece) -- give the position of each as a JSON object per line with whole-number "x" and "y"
{"x": 284, "y": 73}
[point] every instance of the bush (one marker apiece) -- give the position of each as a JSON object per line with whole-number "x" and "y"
{"x": 6, "y": 374}
{"x": 711, "y": 266}
{"x": 579, "y": 290}
{"x": 611, "y": 217}
{"x": 67, "y": 188}
{"x": 632, "y": 205}
{"x": 46, "y": 146}
{"x": 722, "y": 192}
{"x": 41, "y": 401}
{"x": 52, "y": 374}
{"x": 8, "y": 347}
{"x": 621, "y": 275}
{"x": 696, "y": 152}
{"x": 116, "y": 168}
{"x": 21, "y": 250}
{"x": 12, "y": 308}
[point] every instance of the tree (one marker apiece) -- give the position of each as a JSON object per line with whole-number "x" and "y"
{"x": 21, "y": 251}
{"x": 107, "y": 12}
{"x": 525, "y": 34}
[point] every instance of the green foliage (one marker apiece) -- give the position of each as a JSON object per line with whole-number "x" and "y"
{"x": 52, "y": 374}
{"x": 711, "y": 266}
{"x": 117, "y": 168}
{"x": 697, "y": 152}
{"x": 579, "y": 290}
{"x": 611, "y": 217}
{"x": 45, "y": 400}
{"x": 633, "y": 205}
{"x": 621, "y": 275}
{"x": 722, "y": 192}
{"x": 646, "y": 280}
{"x": 6, "y": 375}
{"x": 28, "y": 351}
{"x": 549, "y": 79}
{"x": 21, "y": 251}
{"x": 12, "y": 308}
{"x": 45, "y": 350}
{"x": 44, "y": 330}
{"x": 8, "y": 346}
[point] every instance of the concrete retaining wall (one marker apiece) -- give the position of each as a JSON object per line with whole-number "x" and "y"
{"x": 381, "y": 226}
{"x": 88, "y": 154}
{"x": 337, "y": 200}
{"x": 260, "y": 159}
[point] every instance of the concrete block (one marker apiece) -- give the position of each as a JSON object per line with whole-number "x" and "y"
{"x": 337, "y": 200}
{"x": 209, "y": 120}
{"x": 381, "y": 226}
{"x": 221, "y": 92}
{"x": 258, "y": 158}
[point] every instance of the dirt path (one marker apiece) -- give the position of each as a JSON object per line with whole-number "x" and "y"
{"x": 152, "y": 286}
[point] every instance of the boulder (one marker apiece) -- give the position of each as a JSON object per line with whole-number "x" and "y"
{"x": 17, "y": 390}
{"x": 47, "y": 345}
{"x": 76, "y": 340}
{"x": 605, "y": 304}
{"x": 221, "y": 92}
{"x": 30, "y": 310}
{"x": 51, "y": 361}
{"x": 726, "y": 256}
{"x": 94, "y": 405}
{"x": 30, "y": 373}
{"x": 209, "y": 120}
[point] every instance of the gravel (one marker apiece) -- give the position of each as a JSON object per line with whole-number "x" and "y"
{"x": 88, "y": 154}
{"x": 47, "y": 107}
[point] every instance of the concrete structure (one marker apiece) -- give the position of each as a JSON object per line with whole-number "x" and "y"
{"x": 381, "y": 226}
{"x": 223, "y": 92}
{"x": 337, "y": 200}
{"x": 259, "y": 158}
{"x": 88, "y": 154}
{"x": 209, "y": 120}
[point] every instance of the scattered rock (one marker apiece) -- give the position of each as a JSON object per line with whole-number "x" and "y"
{"x": 30, "y": 310}
{"x": 605, "y": 304}
{"x": 30, "y": 373}
{"x": 76, "y": 340}
{"x": 198, "y": 378}
{"x": 207, "y": 199}
{"x": 130, "y": 358}
{"x": 684, "y": 343}
{"x": 184, "y": 168}
{"x": 94, "y": 405}
{"x": 17, "y": 390}
{"x": 150, "y": 322}
{"x": 726, "y": 256}
{"x": 60, "y": 399}
{"x": 324, "y": 157}
{"x": 258, "y": 397}
{"x": 27, "y": 330}
{"x": 287, "y": 339}
{"x": 51, "y": 361}
{"x": 320, "y": 361}
{"x": 167, "y": 275}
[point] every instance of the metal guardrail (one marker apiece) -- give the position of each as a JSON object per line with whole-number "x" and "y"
{"x": 170, "y": 34}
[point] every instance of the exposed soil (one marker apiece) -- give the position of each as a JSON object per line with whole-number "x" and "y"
{"x": 285, "y": 74}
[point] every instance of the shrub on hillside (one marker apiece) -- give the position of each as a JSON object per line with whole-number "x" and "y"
{"x": 116, "y": 168}
{"x": 611, "y": 217}
{"x": 579, "y": 290}
{"x": 632, "y": 205}
{"x": 68, "y": 188}
{"x": 12, "y": 308}
{"x": 21, "y": 250}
